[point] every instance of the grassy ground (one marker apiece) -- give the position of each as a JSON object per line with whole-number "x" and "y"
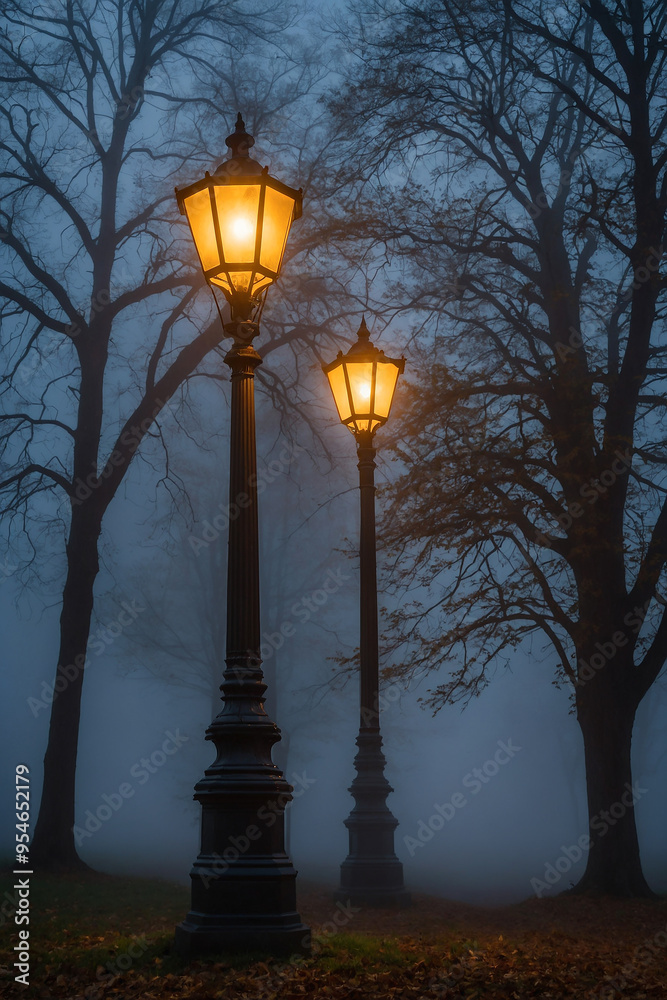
{"x": 98, "y": 936}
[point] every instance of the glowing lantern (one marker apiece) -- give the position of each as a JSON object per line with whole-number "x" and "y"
{"x": 240, "y": 219}
{"x": 363, "y": 383}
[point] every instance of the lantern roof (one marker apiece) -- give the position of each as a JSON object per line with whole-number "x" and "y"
{"x": 364, "y": 350}
{"x": 239, "y": 161}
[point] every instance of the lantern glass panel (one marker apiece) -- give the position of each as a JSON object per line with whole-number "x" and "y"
{"x": 200, "y": 218}
{"x": 339, "y": 389}
{"x": 360, "y": 377}
{"x": 238, "y": 281}
{"x": 237, "y": 206}
{"x": 278, "y": 214}
{"x": 364, "y": 425}
{"x": 385, "y": 384}
{"x": 261, "y": 281}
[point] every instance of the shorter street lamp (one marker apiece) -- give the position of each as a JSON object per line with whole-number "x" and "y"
{"x": 363, "y": 383}
{"x": 243, "y": 882}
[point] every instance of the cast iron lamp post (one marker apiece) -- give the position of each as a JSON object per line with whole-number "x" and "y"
{"x": 363, "y": 383}
{"x": 243, "y": 882}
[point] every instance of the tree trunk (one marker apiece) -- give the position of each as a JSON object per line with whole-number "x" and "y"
{"x": 53, "y": 844}
{"x": 606, "y": 714}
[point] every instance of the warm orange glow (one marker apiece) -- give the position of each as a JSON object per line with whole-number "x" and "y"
{"x": 238, "y": 206}
{"x": 240, "y": 229}
{"x": 360, "y": 379}
{"x": 339, "y": 389}
{"x": 198, "y": 210}
{"x": 385, "y": 385}
{"x": 362, "y": 383}
{"x": 278, "y": 213}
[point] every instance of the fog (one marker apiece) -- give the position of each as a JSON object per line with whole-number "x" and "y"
{"x": 489, "y": 798}
{"x": 146, "y": 706}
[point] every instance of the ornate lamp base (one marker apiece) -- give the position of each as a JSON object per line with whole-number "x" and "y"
{"x": 243, "y": 882}
{"x": 371, "y": 875}
{"x": 274, "y": 928}
{"x": 359, "y": 885}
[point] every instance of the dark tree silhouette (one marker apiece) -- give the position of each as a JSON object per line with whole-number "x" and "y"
{"x": 105, "y": 107}
{"x": 513, "y": 159}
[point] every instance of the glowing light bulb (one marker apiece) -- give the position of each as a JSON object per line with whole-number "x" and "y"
{"x": 242, "y": 228}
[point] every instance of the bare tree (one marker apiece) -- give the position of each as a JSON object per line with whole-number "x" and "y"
{"x": 104, "y": 108}
{"x": 514, "y": 190}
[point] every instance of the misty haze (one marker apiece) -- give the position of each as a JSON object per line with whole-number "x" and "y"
{"x": 333, "y": 584}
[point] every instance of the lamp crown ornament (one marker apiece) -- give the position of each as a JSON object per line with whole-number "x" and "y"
{"x": 240, "y": 141}
{"x": 240, "y": 161}
{"x": 363, "y": 344}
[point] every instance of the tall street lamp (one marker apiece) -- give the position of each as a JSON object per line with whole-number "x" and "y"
{"x": 243, "y": 882}
{"x": 363, "y": 383}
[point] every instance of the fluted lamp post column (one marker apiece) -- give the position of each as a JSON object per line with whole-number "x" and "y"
{"x": 243, "y": 882}
{"x": 363, "y": 383}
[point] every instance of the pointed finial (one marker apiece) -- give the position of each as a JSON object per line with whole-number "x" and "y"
{"x": 363, "y": 333}
{"x": 240, "y": 142}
